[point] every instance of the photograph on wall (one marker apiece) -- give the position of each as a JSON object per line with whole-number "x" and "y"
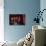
{"x": 17, "y": 19}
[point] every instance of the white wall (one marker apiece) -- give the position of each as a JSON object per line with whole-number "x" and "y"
{"x": 43, "y": 6}
{"x": 1, "y": 21}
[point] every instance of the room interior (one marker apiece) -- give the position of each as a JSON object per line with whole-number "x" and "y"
{"x": 17, "y": 20}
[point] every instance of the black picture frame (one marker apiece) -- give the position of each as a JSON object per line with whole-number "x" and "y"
{"x": 17, "y": 19}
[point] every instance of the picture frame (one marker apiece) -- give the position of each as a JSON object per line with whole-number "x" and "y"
{"x": 17, "y": 19}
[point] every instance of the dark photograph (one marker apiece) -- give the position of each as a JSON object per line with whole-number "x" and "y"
{"x": 17, "y": 19}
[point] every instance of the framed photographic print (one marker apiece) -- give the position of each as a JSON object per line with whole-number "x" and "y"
{"x": 17, "y": 19}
